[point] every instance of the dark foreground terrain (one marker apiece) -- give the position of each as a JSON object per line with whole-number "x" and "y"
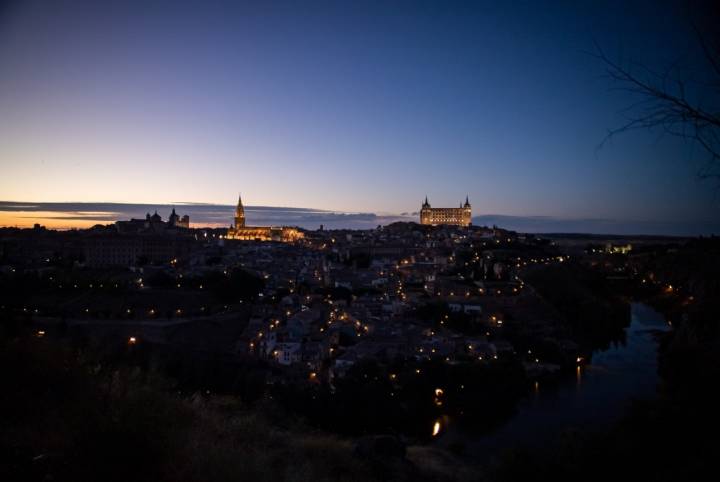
{"x": 75, "y": 408}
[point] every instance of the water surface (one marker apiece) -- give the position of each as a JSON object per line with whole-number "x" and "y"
{"x": 597, "y": 396}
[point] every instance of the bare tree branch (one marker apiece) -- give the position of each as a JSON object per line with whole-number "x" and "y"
{"x": 713, "y": 58}
{"x": 664, "y": 103}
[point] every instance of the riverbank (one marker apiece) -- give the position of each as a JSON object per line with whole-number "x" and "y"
{"x": 597, "y": 396}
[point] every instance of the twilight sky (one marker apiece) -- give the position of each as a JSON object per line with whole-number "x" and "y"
{"x": 345, "y": 106}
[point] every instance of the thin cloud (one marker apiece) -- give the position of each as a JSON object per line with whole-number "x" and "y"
{"x": 222, "y": 215}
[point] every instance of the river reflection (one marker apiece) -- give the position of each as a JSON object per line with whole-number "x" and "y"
{"x": 600, "y": 394}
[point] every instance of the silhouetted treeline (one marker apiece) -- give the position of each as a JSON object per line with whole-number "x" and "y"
{"x": 593, "y": 312}
{"x": 76, "y": 415}
{"x": 406, "y": 398}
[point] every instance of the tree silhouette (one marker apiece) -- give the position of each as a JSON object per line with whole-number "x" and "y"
{"x": 669, "y": 101}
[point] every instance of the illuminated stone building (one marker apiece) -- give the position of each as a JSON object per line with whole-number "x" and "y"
{"x": 260, "y": 233}
{"x": 461, "y": 216}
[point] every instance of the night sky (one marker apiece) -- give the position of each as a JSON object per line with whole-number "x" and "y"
{"x": 345, "y": 106}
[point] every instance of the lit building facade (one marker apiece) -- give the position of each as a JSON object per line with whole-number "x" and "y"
{"x": 260, "y": 233}
{"x": 461, "y": 216}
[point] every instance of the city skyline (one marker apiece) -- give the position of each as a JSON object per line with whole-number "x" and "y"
{"x": 85, "y": 215}
{"x": 361, "y": 109}
{"x": 367, "y": 241}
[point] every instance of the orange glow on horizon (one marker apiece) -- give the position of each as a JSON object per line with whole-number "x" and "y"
{"x": 50, "y": 219}
{"x": 59, "y": 220}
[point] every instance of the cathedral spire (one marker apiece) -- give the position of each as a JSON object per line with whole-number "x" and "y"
{"x": 239, "y": 214}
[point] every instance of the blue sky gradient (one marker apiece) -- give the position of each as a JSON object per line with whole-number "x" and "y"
{"x": 343, "y": 106}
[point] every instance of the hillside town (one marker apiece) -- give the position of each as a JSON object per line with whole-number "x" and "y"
{"x": 418, "y": 330}
{"x": 324, "y": 301}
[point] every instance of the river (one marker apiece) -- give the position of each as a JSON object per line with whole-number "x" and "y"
{"x": 598, "y": 395}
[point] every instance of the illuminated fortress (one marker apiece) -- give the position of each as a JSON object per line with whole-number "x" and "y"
{"x": 461, "y": 216}
{"x": 260, "y": 233}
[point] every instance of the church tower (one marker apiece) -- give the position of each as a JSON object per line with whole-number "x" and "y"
{"x": 467, "y": 212}
{"x": 239, "y": 214}
{"x": 173, "y": 219}
{"x": 426, "y": 212}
